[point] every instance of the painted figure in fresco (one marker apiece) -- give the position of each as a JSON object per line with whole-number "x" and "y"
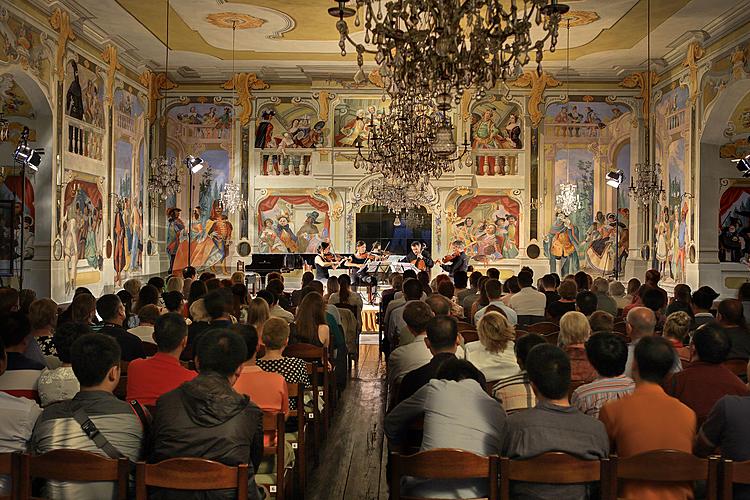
{"x": 731, "y": 243}
{"x": 489, "y": 243}
{"x": 286, "y": 234}
{"x": 513, "y": 131}
{"x": 575, "y": 118}
{"x": 310, "y": 137}
{"x": 136, "y": 246}
{"x": 560, "y": 118}
{"x": 219, "y": 230}
{"x": 465, "y": 230}
{"x": 484, "y": 135}
{"x": 662, "y": 241}
{"x": 560, "y": 244}
{"x": 119, "y": 257}
{"x": 510, "y": 249}
{"x": 269, "y": 239}
{"x": 70, "y": 253}
{"x": 354, "y": 132}
{"x": 74, "y": 96}
{"x": 623, "y": 244}
{"x": 175, "y": 227}
{"x": 307, "y": 232}
{"x": 599, "y": 246}
{"x": 91, "y": 96}
{"x": 264, "y": 130}
{"x": 225, "y": 122}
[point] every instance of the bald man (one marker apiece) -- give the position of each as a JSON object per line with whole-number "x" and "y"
{"x": 640, "y": 323}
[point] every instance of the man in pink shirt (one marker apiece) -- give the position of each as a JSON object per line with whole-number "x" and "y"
{"x": 150, "y": 378}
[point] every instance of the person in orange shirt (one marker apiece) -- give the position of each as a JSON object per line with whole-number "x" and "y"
{"x": 649, "y": 420}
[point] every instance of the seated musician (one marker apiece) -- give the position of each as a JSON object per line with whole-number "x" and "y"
{"x": 419, "y": 257}
{"x": 358, "y": 262}
{"x": 457, "y": 260}
{"x": 324, "y": 261}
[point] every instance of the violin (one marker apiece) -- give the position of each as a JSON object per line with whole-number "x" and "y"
{"x": 450, "y": 258}
{"x": 329, "y": 257}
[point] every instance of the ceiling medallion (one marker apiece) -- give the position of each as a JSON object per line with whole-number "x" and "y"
{"x": 235, "y": 19}
{"x": 581, "y": 17}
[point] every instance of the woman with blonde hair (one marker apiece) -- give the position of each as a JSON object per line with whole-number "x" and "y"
{"x": 574, "y": 332}
{"x": 258, "y": 313}
{"x": 133, "y": 286}
{"x": 237, "y": 277}
{"x": 175, "y": 284}
{"x": 676, "y": 329}
{"x": 493, "y": 354}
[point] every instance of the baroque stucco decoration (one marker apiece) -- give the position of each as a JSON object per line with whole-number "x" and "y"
{"x": 235, "y": 20}
{"x": 244, "y": 84}
{"x": 324, "y": 103}
{"x": 738, "y": 61}
{"x": 109, "y": 56}
{"x": 734, "y": 149}
{"x": 155, "y": 83}
{"x": 60, "y": 22}
{"x": 694, "y": 53}
{"x": 640, "y": 81}
{"x": 538, "y": 84}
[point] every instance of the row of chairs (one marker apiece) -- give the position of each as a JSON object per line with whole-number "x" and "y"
{"x": 660, "y": 466}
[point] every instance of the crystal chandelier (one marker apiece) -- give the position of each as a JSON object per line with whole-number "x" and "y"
{"x": 399, "y": 196}
{"x": 646, "y": 185}
{"x": 231, "y": 197}
{"x": 446, "y": 46}
{"x": 567, "y": 200}
{"x": 164, "y": 179}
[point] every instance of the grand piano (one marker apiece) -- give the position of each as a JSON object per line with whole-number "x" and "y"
{"x": 264, "y": 263}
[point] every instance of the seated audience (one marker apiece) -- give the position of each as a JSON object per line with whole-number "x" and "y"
{"x": 494, "y": 291}
{"x": 150, "y": 378}
{"x": 617, "y": 291}
{"x": 510, "y": 288}
{"x": 10, "y": 301}
{"x": 112, "y": 312}
{"x": 574, "y": 332}
{"x": 583, "y": 280}
{"x": 608, "y": 354}
{"x": 332, "y": 286}
{"x": 515, "y": 392}
{"x": 258, "y": 313}
{"x": 396, "y": 330}
{"x": 461, "y": 280}
{"x": 549, "y": 289}
{"x": 275, "y": 309}
{"x": 407, "y": 357}
{"x": 702, "y": 301}
{"x": 131, "y": 320}
{"x": 132, "y": 286}
{"x": 218, "y": 305}
{"x": 239, "y": 302}
{"x": 197, "y": 291}
{"x": 567, "y": 301}
{"x": 43, "y": 317}
{"x": 706, "y": 380}
{"x": 21, "y": 373}
{"x": 311, "y": 323}
{"x": 601, "y": 321}
{"x": 527, "y": 301}
{"x": 649, "y": 419}
{"x": 174, "y": 302}
{"x": 653, "y": 299}
{"x": 586, "y": 302}
{"x": 448, "y": 290}
{"x": 439, "y": 305}
{"x": 96, "y": 364}
{"x": 455, "y": 399}
{"x": 676, "y": 329}
{"x": 197, "y": 327}
{"x": 18, "y": 416}
{"x": 156, "y": 282}
{"x": 604, "y": 301}
{"x": 493, "y": 354}
{"x": 345, "y": 295}
{"x": 149, "y": 294}
{"x": 552, "y": 425}
{"x": 471, "y": 299}
{"x": 60, "y": 383}
{"x": 175, "y": 284}
{"x": 206, "y": 417}
{"x": 296, "y": 296}
{"x": 294, "y": 371}
{"x": 396, "y": 280}
{"x": 147, "y": 317}
{"x": 731, "y": 316}
{"x": 82, "y": 310}
{"x": 680, "y": 300}
{"x": 25, "y": 298}
{"x": 634, "y": 284}
{"x": 188, "y": 277}
{"x": 640, "y": 323}
{"x": 493, "y": 273}
{"x": 276, "y": 287}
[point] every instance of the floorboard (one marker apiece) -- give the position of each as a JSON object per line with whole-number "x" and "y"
{"x": 352, "y": 461}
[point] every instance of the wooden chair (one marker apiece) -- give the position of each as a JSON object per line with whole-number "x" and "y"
{"x": 318, "y": 356}
{"x": 620, "y": 327}
{"x": 528, "y": 319}
{"x": 10, "y": 465}
{"x": 733, "y": 473}
{"x": 150, "y": 349}
{"x": 297, "y": 393}
{"x": 664, "y": 466}
{"x": 543, "y": 328}
{"x": 552, "y": 338}
{"x": 470, "y": 336}
{"x": 196, "y": 474}
{"x": 463, "y": 325}
{"x": 552, "y": 468}
{"x": 73, "y": 465}
{"x": 738, "y": 367}
{"x": 520, "y": 332}
{"x": 275, "y": 481}
{"x": 314, "y": 415}
{"x": 443, "y": 463}
{"x": 122, "y": 386}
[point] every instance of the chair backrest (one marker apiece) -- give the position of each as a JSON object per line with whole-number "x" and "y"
{"x": 470, "y": 335}
{"x": 543, "y": 328}
{"x": 666, "y": 466}
{"x": 73, "y": 465}
{"x": 349, "y": 307}
{"x": 529, "y": 319}
{"x": 463, "y": 325}
{"x": 733, "y": 473}
{"x": 274, "y": 423}
{"x": 551, "y": 468}
{"x": 10, "y": 465}
{"x": 197, "y": 474}
{"x": 520, "y": 332}
{"x": 620, "y": 327}
{"x": 150, "y": 349}
{"x": 297, "y": 393}
{"x": 552, "y": 337}
{"x": 443, "y": 463}
{"x": 737, "y": 366}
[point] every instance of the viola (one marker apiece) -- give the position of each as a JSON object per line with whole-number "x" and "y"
{"x": 451, "y": 257}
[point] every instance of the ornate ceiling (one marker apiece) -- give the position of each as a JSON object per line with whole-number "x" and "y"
{"x": 296, "y": 40}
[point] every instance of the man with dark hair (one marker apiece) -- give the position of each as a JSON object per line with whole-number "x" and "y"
{"x": 731, "y": 316}
{"x": 157, "y": 282}
{"x": 110, "y": 309}
{"x": 268, "y": 297}
{"x": 217, "y": 303}
{"x": 702, "y": 302}
{"x": 205, "y": 417}
{"x": 652, "y": 281}
{"x": 493, "y": 273}
{"x": 189, "y": 273}
{"x": 21, "y": 373}
{"x": 649, "y": 419}
{"x": 96, "y": 364}
{"x": 441, "y": 342}
{"x": 150, "y": 378}
{"x": 552, "y": 425}
{"x": 473, "y": 287}
{"x": 296, "y": 297}
{"x": 460, "y": 282}
{"x": 276, "y": 287}
{"x": 409, "y": 356}
{"x": 515, "y": 392}
{"x": 586, "y": 302}
{"x": 278, "y": 309}
{"x": 174, "y": 301}
{"x": 494, "y": 291}
{"x": 448, "y": 290}
{"x": 680, "y": 300}
{"x": 528, "y": 302}
{"x": 549, "y": 289}
{"x": 608, "y": 354}
{"x": 701, "y": 384}
{"x": 394, "y": 321}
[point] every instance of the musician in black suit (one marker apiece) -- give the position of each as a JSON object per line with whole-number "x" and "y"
{"x": 419, "y": 257}
{"x": 456, "y": 261}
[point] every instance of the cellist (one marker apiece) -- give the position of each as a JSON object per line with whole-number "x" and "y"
{"x": 419, "y": 257}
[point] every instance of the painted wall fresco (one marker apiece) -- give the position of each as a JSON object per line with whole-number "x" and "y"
{"x": 489, "y": 226}
{"x": 202, "y": 129}
{"x": 495, "y": 126}
{"x": 351, "y": 120}
{"x": 84, "y": 92}
{"x": 734, "y": 225}
{"x": 82, "y": 231}
{"x": 128, "y": 183}
{"x": 292, "y": 224}
{"x": 22, "y": 44}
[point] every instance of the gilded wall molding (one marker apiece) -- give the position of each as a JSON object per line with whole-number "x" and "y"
{"x": 155, "y": 83}
{"x": 640, "y": 81}
{"x": 60, "y": 22}
{"x": 244, "y": 84}
{"x": 694, "y": 53}
{"x": 538, "y": 84}
{"x": 109, "y": 56}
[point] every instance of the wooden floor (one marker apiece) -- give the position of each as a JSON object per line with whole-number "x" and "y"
{"x": 352, "y": 461}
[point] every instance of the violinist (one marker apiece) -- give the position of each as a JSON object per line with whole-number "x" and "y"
{"x": 456, "y": 261}
{"x": 359, "y": 262}
{"x": 419, "y": 257}
{"x": 324, "y": 261}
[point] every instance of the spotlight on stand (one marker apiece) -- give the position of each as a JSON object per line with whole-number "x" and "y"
{"x": 615, "y": 178}
{"x": 194, "y": 163}
{"x": 743, "y": 165}
{"x": 27, "y": 155}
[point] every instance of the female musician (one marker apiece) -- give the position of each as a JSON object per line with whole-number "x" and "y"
{"x": 456, "y": 261}
{"x": 358, "y": 262}
{"x": 419, "y": 257}
{"x": 325, "y": 261}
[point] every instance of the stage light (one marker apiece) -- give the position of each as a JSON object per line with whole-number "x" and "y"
{"x": 743, "y": 165}
{"x": 25, "y": 154}
{"x": 615, "y": 178}
{"x": 194, "y": 163}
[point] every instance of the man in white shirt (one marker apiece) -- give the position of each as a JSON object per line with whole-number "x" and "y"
{"x": 17, "y": 419}
{"x": 147, "y": 316}
{"x": 275, "y": 309}
{"x": 528, "y": 302}
{"x": 395, "y": 324}
{"x": 494, "y": 291}
{"x": 415, "y": 354}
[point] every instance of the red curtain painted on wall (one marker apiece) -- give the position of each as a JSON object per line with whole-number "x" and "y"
{"x": 269, "y": 203}
{"x": 14, "y": 184}
{"x": 729, "y": 198}
{"x": 466, "y": 206}
{"x": 91, "y": 190}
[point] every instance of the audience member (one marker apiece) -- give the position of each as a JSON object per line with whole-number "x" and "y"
{"x": 156, "y": 282}
{"x": 515, "y": 392}
{"x": 131, "y": 320}
{"x": 197, "y": 291}
{"x": 439, "y": 305}
{"x": 218, "y": 304}
{"x": 731, "y": 316}
{"x": 149, "y": 378}
{"x": 702, "y": 302}
{"x": 275, "y": 309}
{"x": 275, "y": 338}
{"x": 617, "y": 292}
{"x": 239, "y": 302}
{"x": 43, "y": 317}
{"x": 586, "y": 302}
{"x": 82, "y": 310}
{"x": 639, "y": 323}
{"x": 407, "y": 357}
{"x": 276, "y": 287}
{"x": 649, "y": 419}
{"x": 396, "y": 281}
{"x": 574, "y": 332}
{"x": 312, "y": 327}
{"x": 652, "y": 281}
{"x": 332, "y": 286}
{"x": 206, "y": 417}
{"x": 493, "y": 354}
{"x": 601, "y": 321}
{"x": 448, "y": 290}
{"x": 676, "y": 329}
{"x": 654, "y": 300}
{"x": 527, "y": 301}
{"x": 10, "y": 301}
{"x": 174, "y": 302}
{"x": 266, "y": 389}
{"x": 583, "y": 281}
{"x": 493, "y": 273}
{"x": 567, "y": 302}
{"x": 461, "y": 281}
{"x": 471, "y": 298}
{"x": 701, "y": 384}
{"x": 21, "y": 373}
{"x": 296, "y": 296}
{"x": 510, "y": 288}
{"x": 200, "y": 324}
{"x": 59, "y": 384}
{"x": 132, "y": 286}
{"x": 188, "y": 277}
{"x": 175, "y": 284}
{"x": 237, "y": 277}
{"x": 258, "y": 313}
{"x": 345, "y": 295}
{"x": 149, "y": 295}
{"x": 147, "y": 317}
{"x": 25, "y": 298}
{"x": 681, "y": 300}
{"x": 604, "y": 301}
{"x": 480, "y": 300}
{"x": 213, "y": 284}
{"x": 456, "y": 397}
{"x": 549, "y": 289}
{"x": 634, "y": 284}
{"x": 552, "y": 425}
{"x": 493, "y": 289}
{"x": 96, "y": 364}
{"x": 608, "y": 354}
{"x": 112, "y": 312}
{"x": 394, "y": 316}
